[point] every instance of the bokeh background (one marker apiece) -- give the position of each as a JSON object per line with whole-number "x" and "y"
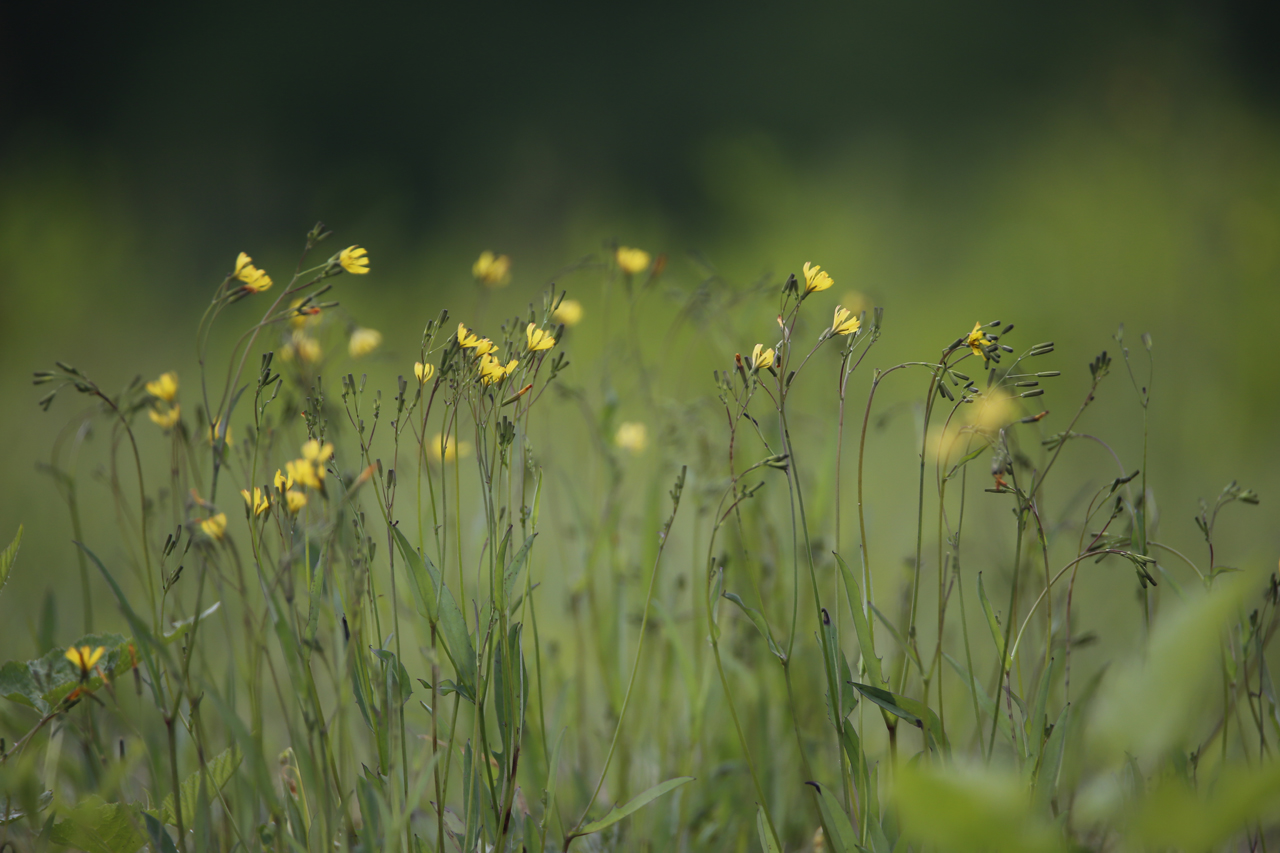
{"x": 1067, "y": 167}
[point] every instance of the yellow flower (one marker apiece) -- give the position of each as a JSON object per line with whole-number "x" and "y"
{"x": 493, "y": 371}
{"x": 468, "y": 340}
{"x": 215, "y": 526}
{"x": 165, "y": 388}
{"x": 569, "y": 312}
{"x": 451, "y": 450}
{"x": 257, "y": 501}
{"x": 305, "y": 473}
{"x": 255, "y": 280}
{"x": 632, "y": 261}
{"x": 761, "y": 357}
{"x": 282, "y": 481}
{"x": 314, "y": 451}
{"x": 242, "y": 261}
{"x": 303, "y": 347}
{"x": 978, "y": 341}
{"x": 363, "y": 342}
{"x": 844, "y": 323}
{"x": 538, "y": 339}
{"x": 295, "y": 499}
{"x": 632, "y": 436}
{"x": 492, "y": 270}
{"x": 165, "y": 420}
{"x": 213, "y": 432}
{"x": 815, "y": 279}
{"x": 354, "y": 260}
{"x": 424, "y": 372}
{"x": 84, "y": 658}
{"x": 485, "y": 347}
{"x": 992, "y": 411}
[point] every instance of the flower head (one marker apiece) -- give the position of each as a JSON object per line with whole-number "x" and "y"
{"x": 632, "y": 436}
{"x": 257, "y": 501}
{"x": 305, "y": 472}
{"x": 354, "y": 259}
{"x": 215, "y": 526}
{"x": 493, "y": 371}
{"x": 303, "y": 347}
{"x": 314, "y": 451}
{"x": 761, "y": 357}
{"x": 443, "y": 447}
{"x": 569, "y": 312}
{"x": 213, "y": 432}
{"x": 844, "y": 323}
{"x": 978, "y": 341}
{"x": 166, "y": 419}
{"x": 815, "y": 279}
{"x": 632, "y": 261}
{"x": 295, "y": 500}
{"x": 165, "y": 388}
{"x": 255, "y": 280}
{"x": 283, "y": 481}
{"x": 424, "y": 372}
{"x": 467, "y": 339}
{"x": 538, "y": 339}
{"x": 84, "y": 658}
{"x": 363, "y": 342}
{"x": 993, "y": 411}
{"x": 492, "y": 270}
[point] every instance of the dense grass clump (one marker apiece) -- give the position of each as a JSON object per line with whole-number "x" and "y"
{"x": 503, "y": 604}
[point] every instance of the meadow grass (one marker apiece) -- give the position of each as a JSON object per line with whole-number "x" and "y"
{"x": 489, "y": 609}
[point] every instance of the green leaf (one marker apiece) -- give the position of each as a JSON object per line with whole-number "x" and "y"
{"x": 221, "y": 768}
{"x": 44, "y": 682}
{"x": 839, "y": 829}
{"x": 436, "y": 602}
{"x": 767, "y": 844}
{"x": 1038, "y": 721}
{"x": 906, "y": 647}
{"x": 99, "y": 827}
{"x": 636, "y": 803}
{"x": 160, "y": 839}
{"x": 888, "y": 701}
{"x": 183, "y": 626}
{"x": 7, "y": 556}
{"x": 913, "y": 711}
{"x": 966, "y": 459}
{"x": 1173, "y": 815}
{"x": 1051, "y": 761}
{"x": 840, "y": 693}
{"x": 992, "y": 622}
{"x": 866, "y": 640}
{"x": 757, "y": 619}
{"x": 513, "y": 571}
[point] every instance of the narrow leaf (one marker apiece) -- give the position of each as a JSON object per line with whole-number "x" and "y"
{"x": 638, "y": 802}
{"x": 7, "y": 556}
{"x": 757, "y": 619}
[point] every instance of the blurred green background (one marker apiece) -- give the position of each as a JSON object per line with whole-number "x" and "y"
{"x": 1066, "y": 167}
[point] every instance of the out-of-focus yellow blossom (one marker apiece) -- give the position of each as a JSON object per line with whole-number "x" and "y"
{"x": 632, "y": 261}
{"x": 992, "y": 411}
{"x": 296, "y": 500}
{"x": 761, "y": 357}
{"x": 254, "y": 279}
{"x": 492, "y": 270}
{"x": 856, "y": 302}
{"x": 538, "y": 339}
{"x": 451, "y": 450}
{"x": 305, "y": 473}
{"x": 303, "y": 317}
{"x": 815, "y": 279}
{"x": 167, "y": 419}
{"x": 258, "y": 501}
{"x": 844, "y": 322}
{"x": 632, "y": 436}
{"x": 314, "y": 451}
{"x": 424, "y": 372}
{"x": 569, "y": 312}
{"x": 165, "y": 388}
{"x": 84, "y": 658}
{"x": 215, "y": 526}
{"x": 493, "y": 371}
{"x": 354, "y": 259}
{"x": 213, "y": 432}
{"x": 978, "y": 341}
{"x": 242, "y": 261}
{"x": 363, "y": 342}
{"x": 303, "y": 347}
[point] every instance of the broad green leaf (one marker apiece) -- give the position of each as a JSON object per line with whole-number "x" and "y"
{"x": 99, "y": 827}
{"x": 436, "y": 602}
{"x": 44, "y": 682}
{"x": 839, "y": 829}
{"x": 757, "y": 619}
{"x": 888, "y": 701}
{"x": 767, "y": 844}
{"x": 912, "y": 710}
{"x": 220, "y": 768}
{"x": 866, "y": 640}
{"x": 160, "y": 839}
{"x": 398, "y": 681}
{"x": 7, "y": 556}
{"x": 633, "y": 805}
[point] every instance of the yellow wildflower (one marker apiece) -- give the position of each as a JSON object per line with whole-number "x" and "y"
{"x": 424, "y": 372}
{"x": 992, "y": 411}
{"x": 354, "y": 259}
{"x": 451, "y": 449}
{"x": 632, "y": 436}
{"x": 815, "y": 279}
{"x": 538, "y": 339}
{"x": 215, "y": 526}
{"x": 304, "y": 472}
{"x": 978, "y": 341}
{"x": 295, "y": 499}
{"x": 844, "y": 323}
{"x": 283, "y": 481}
{"x": 363, "y": 342}
{"x": 632, "y": 261}
{"x": 242, "y": 261}
{"x": 468, "y": 340}
{"x": 493, "y": 371}
{"x": 258, "y": 501}
{"x": 485, "y": 347}
{"x": 255, "y": 280}
{"x": 84, "y": 658}
{"x": 165, "y": 388}
{"x": 492, "y": 270}
{"x": 213, "y": 432}
{"x": 166, "y": 419}
{"x": 314, "y": 451}
{"x": 569, "y": 312}
{"x": 761, "y": 357}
